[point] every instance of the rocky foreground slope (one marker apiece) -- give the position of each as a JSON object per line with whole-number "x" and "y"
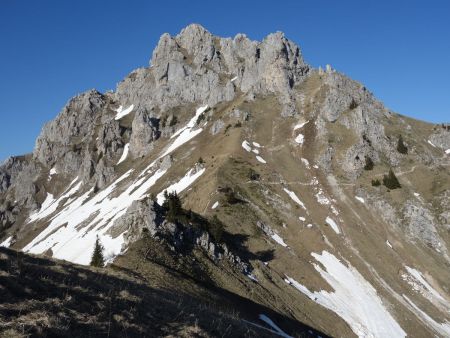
{"x": 289, "y": 160}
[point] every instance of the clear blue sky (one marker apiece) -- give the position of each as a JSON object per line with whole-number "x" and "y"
{"x": 52, "y": 50}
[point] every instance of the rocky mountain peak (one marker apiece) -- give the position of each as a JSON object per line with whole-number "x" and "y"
{"x": 280, "y": 179}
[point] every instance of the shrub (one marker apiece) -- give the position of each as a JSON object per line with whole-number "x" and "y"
{"x": 376, "y": 183}
{"x": 391, "y": 181}
{"x": 401, "y": 147}
{"x": 238, "y": 124}
{"x": 200, "y": 160}
{"x": 97, "y": 259}
{"x": 163, "y": 121}
{"x": 200, "y": 118}
{"x": 369, "y": 164}
{"x": 253, "y": 175}
{"x": 173, "y": 121}
{"x": 353, "y": 104}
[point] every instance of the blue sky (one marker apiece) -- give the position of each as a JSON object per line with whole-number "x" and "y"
{"x": 52, "y": 50}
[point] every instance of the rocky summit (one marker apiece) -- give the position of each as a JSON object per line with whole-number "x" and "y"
{"x": 228, "y": 189}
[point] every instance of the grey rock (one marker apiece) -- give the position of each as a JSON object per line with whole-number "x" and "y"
{"x": 217, "y": 127}
{"x": 145, "y": 130}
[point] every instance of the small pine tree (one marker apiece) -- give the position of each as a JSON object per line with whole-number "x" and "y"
{"x": 97, "y": 259}
{"x": 391, "y": 181}
{"x": 369, "y": 164}
{"x": 200, "y": 160}
{"x": 172, "y": 204}
{"x": 376, "y": 183}
{"x": 401, "y": 147}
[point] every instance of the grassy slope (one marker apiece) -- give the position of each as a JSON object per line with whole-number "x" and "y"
{"x": 45, "y": 297}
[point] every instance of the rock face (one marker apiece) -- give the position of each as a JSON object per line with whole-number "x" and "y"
{"x": 196, "y": 66}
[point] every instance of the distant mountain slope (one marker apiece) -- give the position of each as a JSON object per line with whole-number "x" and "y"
{"x": 300, "y": 191}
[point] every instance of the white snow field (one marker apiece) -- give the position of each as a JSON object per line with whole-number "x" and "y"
{"x": 333, "y": 225}
{"x": 123, "y": 112}
{"x": 181, "y": 185}
{"x": 294, "y": 197}
{"x": 124, "y": 154}
{"x": 71, "y": 233}
{"x": 353, "y": 299}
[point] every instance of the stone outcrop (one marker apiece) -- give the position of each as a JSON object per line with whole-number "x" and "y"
{"x": 147, "y": 216}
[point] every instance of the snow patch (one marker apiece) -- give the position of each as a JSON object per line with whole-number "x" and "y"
{"x": 279, "y": 240}
{"x": 294, "y": 197}
{"x": 388, "y": 244}
{"x": 71, "y": 233}
{"x": 447, "y": 151}
{"x": 305, "y": 162}
{"x": 354, "y": 299}
{"x": 260, "y": 159}
{"x": 215, "y": 205}
{"x": 302, "y": 219}
{"x": 333, "y": 225}
{"x": 256, "y": 151}
{"x": 124, "y": 154}
{"x": 252, "y": 277}
{"x": 186, "y": 133}
{"x": 51, "y": 173}
{"x": 257, "y": 145}
{"x": 7, "y": 242}
{"x": 300, "y": 125}
{"x": 360, "y": 199}
{"x": 233, "y": 79}
{"x": 121, "y": 112}
{"x": 246, "y": 146}
{"x": 300, "y": 138}
{"x": 182, "y": 184}
{"x": 431, "y": 143}
{"x": 50, "y": 204}
{"x": 322, "y": 199}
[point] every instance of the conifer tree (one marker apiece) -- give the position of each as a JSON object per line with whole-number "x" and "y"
{"x": 391, "y": 181}
{"x": 369, "y": 164}
{"x": 97, "y": 259}
{"x": 172, "y": 204}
